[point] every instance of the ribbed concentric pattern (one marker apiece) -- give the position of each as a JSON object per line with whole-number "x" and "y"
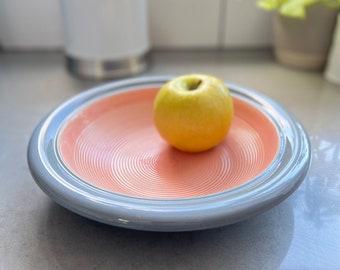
{"x": 112, "y": 144}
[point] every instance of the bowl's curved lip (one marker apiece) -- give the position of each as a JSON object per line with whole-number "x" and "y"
{"x": 281, "y": 178}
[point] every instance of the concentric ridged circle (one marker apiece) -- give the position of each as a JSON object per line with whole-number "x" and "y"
{"x": 112, "y": 144}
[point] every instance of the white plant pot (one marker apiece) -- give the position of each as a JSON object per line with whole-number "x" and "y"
{"x": 304, "y": 43}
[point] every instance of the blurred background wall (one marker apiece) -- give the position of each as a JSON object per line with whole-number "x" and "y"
{"x": 173, "y": 24}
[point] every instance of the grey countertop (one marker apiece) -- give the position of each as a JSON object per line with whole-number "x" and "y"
{"x": 303, "y": 232}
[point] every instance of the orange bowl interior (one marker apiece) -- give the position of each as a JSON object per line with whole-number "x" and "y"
{"x": 112, "y": 144}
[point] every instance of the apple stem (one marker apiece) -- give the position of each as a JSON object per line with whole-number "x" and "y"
{"x": 195, "y": 86}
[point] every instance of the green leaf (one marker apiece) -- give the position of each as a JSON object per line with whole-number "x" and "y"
{"x": 293, "y": 11}
{"x": 268, "y": 4}
{"x": 296, "y": 8}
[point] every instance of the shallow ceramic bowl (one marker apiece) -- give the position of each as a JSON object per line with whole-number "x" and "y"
{"x": 99, "y": 155}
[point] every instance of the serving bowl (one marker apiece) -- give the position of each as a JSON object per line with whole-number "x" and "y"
{"x": 99, "y": 155}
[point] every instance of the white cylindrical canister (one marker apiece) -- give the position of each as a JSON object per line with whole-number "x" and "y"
{"x": 105, "y": 38}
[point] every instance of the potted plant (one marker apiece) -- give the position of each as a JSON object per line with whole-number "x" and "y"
{"x": 302, "y": 30}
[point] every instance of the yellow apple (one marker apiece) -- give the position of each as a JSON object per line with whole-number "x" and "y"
{"x": 193, "y": 112}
